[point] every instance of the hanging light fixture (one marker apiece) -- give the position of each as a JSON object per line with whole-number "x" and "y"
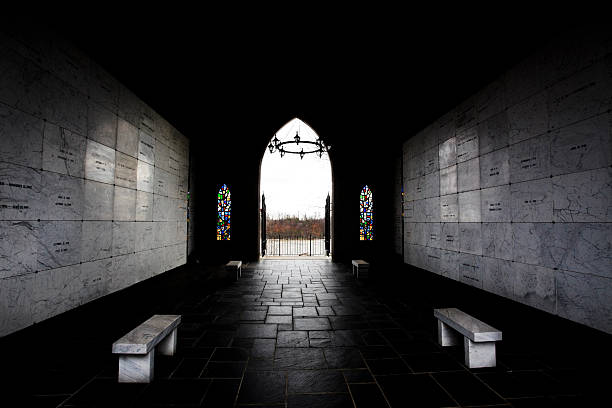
{"x": 276, "y": 145}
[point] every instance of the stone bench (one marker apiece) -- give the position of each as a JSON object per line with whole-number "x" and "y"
{"x": 360, "y": 266}
{"x": 478, "y": 338}
{"x": 234, "y": 267}
{"x": 137, "y": 348}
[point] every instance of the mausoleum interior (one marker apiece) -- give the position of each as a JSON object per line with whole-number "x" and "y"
{"x": 467, "y": 245}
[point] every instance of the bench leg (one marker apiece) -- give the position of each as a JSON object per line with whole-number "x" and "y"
{"x": 167, "y": 346}
{"x": 446, "y": 335}
{"x": 134, "y": 368}
{"x": 479, "y": 354}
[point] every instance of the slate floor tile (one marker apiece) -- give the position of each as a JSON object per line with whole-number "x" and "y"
{"x": 174, "y": 392}
{"x": 106, "y": 392}
{"x": 315, "y": 381}
{"x": 431, "y": 362}
{"x": 319, "y": 401}
{"x": 216, "y": 369}
{"x": 413, "y": 389}
{"x": 311, "y": 323}
{"x": 229, "y": 354}
{"x": 292, "y": 339}
{"x": 522, "y": 383}
{"x": 299, "y": 358}
{"x": 265, "y": 331}
{"x": 368, "y": 396}
{"x": 467, "y": 389}
{"x": 262, "y": 387}
{"x": 263, "y": 348}
{"x": 221, "y": 393}
{"x": 338, "y": 357}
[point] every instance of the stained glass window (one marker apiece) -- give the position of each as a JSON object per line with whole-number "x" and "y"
{"x": 366, "y": 220}
{"x": 224, "y": 210}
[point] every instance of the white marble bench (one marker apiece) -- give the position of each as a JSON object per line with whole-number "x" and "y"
{"x": 234, "y": 266}
{"x": 478, "y": 338}
{"x": 360, "y": 266}
{"x": 137, "y": 348}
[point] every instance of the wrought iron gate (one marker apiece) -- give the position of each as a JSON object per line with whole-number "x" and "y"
{"x": 327, "y": 225}
{"x": 263, "y": 225}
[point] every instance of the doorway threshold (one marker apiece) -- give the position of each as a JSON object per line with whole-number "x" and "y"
{"x": 295, "y": 258}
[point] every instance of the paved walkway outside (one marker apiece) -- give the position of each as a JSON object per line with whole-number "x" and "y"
{"x": 300, "y": 333}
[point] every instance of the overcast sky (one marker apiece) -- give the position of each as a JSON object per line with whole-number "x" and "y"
{"x": 293, "y": 186}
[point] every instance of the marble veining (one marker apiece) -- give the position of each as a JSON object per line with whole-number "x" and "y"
{"x": 469, "y": 206}
{"x": 530, "y": 159}
{"x": 124, "y": 238}
{"x": 18, "y": 248}
{"x": 535, "y": 286}
{"x": 493, "y": 133}
{"x": 495, "y": 168}
{"x": 125, "y": 170}
{"x": 467, "y": 144}
{"x": 21, "y": 136}
{"x": 147, "y": 335}
{"x": 127, "y": 138}
{"x": 467, "y": 325}
{"x": 468, "y": 175}
{"x": 61, "y": 197}
{"x": 98, "y": 203}
{"x": 470, "y": 238}
{"x": 497, "y": 240}
{"x": 96, "y": 240}
{"x": 532, "y": 201}
{"x": 495, "y": 204}
{"x": 124, "y": 208}
{"x": 583, "y": 197}
{"x": 99, "y": 162}
{"x": 528, "y": 118}
{"x": 63, "y": 151}
{"x": 59, "y": 244}
{"x": 144, "y": 206}
{"x": 102, "y": 125}
{"x": 19, "y": 192}
{"x": 498, "y": 276}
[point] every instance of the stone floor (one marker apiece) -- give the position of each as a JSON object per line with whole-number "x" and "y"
{"x": 289, "y": 333}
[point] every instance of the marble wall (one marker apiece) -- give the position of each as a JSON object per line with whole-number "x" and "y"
{"x": 93, "y": 183}
{"x": 511, "y": 191}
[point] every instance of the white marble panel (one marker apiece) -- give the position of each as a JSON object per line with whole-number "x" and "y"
{"x": 409, "y": 230}
{"x": 585, "y": 299}
{"x": 161, "y": 182}
{"x": 433, "y": 234}
{"x": 583, "y": 146}
{"x": 449, "y": 264}
{"x": 469, "y": 206}
{"x": 123, "y": 273}
{"x": 528, "y": 118}
{"x": 19, "y": 192}
{"x": 103, "y": 88}
{"x": 432, "y": 260}
{"x": 158, "y": 262}
{"x": 101, "y": 125}
{"x": 98, "y": 201}
{"x": 415, "y": 166}
{"x": 583, "y": 197}
{"x": 419, "y": 211}
{"x": 448, "y": 180}
{"x": 63, "y": 151}
{"x": 61, "y": 197}
{"x": 468, "y": 175}
{"x": 498, "y": 276}
{"x": 68, "y": 63}
{"x": 21, "y": 136}
{"x": 99, "y": 163}
{"x": 532, "y": 201}
{"x": 56, "y": 291}
{"x": 579, "y": 247}
{"x": 176, "y": 163}
{"x": 470, "y": 238}
{"x": 446, "y": 126}
{"x": 182, "y": 231}
{"x": 144, "y": 177}
{"x": 432, "y": 209}
{"x": 124, "y": 238}
{"x": 146, "y": 236}
{"x": 130, "y": 107}
{"x": 148, "y": 120}
{"x": 59, "y": 244}
{"x": 161, "y": 233}
{"x": 465, "y": 115}
{"x": 126, "y": 168}
{"x": 491, "y": 100}
{"x": 96, "y": 240}
{"x": 493, "y": 133}
{"x": 449, "y": 208}
{"x": 531, "y": 242}
{"x": 162, "y": 156}
{"x": 165, "y": 133}
{"x": 523, "y": 80}
{"x": 127, "y": 138}
{"x": 530, "y": 159}
{"x": 95, "y": 279}
{"x": 409, "y": 211}
{"x": 430, "y": 160}
{"x": 18, "y": 248}
{"x": 420, "y": 188}
{"x": 16, "y": 305}
{"x": 450, "y": 236}
{"x": 144, "y": 206}
{"x": 495, "y": 168}
{"x": 146, "y": 148}
{"x": 495, "y": 204}
{"x": 448, "y": 153}
{"x": 162, "y": 207}
{"x": 67, "y": 106}
{"x": 410, "y": 189}
{"x": 181, "y": 207}
{"x": 183, "y": 182}
{"x": 497, "y": 240}
{"x": 432, "y": 184}
{"x": 582, "y": 95}
{"x": 470, "y": 270}
{"x": 124, "y": 208}
{"x": 467, "y": 144}
{"x": 535, "y": 286}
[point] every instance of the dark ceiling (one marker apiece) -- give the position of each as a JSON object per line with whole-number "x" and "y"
{"x": 342, "y": 76}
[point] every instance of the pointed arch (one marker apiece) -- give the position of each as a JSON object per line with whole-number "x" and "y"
{"x": 224, "y": 212}
{"x": 366, "y": 215}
